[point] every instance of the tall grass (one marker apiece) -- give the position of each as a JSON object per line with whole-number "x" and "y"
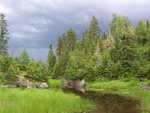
{"x": 123, "y": 83}
{"x": 41, "y": 101}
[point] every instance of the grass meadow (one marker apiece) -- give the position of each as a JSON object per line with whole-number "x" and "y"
{"x": 41, "y": 101}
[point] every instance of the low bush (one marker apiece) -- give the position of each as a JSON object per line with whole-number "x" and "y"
{"x": 54, "y": 83}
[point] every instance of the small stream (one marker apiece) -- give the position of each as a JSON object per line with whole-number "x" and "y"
{"x": 111, "y": 103}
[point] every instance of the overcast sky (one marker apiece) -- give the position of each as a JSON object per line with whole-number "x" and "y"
{"x": 33, "y": 24}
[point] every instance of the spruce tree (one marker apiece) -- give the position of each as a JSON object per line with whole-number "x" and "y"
{"x": 24, "y": 57}
{"x": 94, "y": 29}
{"x": 124, "y": 52}
{"x": 51, "y": 57}
{"x": 3, "y": 35}
{"x": 91, "y": 37}
{"x": 142, "y": 32}
{"x": 66, "y": 44}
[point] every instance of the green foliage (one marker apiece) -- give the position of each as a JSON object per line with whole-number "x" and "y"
{"x": 116, "y": 56}
{"x": 51, "y": 57}
{"x": 123, "y": 51}
{"x": 143, "y": 32}
{"x": 5, "y": 62}
{"x": 37, "y": 71}
{"x": 14, "y": 68}
{"x": 54, "y": 83}
{"x": 66, "y": 42}
{"x": 24, "y": 57}
{"x": 94, "y": 29}
{"x": 51, "y": 61}
{"x": 73, "y": 71}
{"x": 119, "y": 26}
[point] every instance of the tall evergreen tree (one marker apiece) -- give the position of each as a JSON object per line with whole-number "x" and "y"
{"x": 24, "y": 57}
{"x": 124, "y": 52}
{"x": 3, "y": 35}
{"x": 91, "y": 38}
{"x": 94, "y": 29}
{"x": 119, "y": 26}
{"x": 66, "y": 42}
{"x": 51, "y": 57}
{"x": 142, "y": 32}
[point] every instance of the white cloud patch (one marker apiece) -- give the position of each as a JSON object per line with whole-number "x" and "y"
{"x": 4, "y": 9}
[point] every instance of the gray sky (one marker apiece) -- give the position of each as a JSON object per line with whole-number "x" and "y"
{"x": 33, "y": 24}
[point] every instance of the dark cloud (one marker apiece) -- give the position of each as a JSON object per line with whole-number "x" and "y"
{"x": 33, "y": 24}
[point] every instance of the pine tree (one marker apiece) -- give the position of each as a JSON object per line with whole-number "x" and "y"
{"x": 51, "y": 57}
{"x": 91, "y": 38}
{"x": 142, "y": 32}
{"x": 118, "y": 27}
{"x": 94, "y": 29}
{"x": 24, "y": 57}
{"x": 109, "y": 42}
{"x": 124, "y": 52}
{"x": 66, "y": 42}
{"x": 3, "y": 35}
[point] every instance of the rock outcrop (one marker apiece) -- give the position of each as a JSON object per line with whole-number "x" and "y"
{"x": 29, "y": 84}
{"x": 146, "y": 87}
{"x": 10, "y": 86}
{"x": 77, "y": 85}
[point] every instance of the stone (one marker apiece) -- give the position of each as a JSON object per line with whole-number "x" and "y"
{"x": 10, "y": 86}
{"x": 43, "y": 85}
{"x": 77, "y": 85}
{"x": 146, "y": 87}
{"x": 69, "y": 84}
{"x": 30, "y": 84}
{"x": 37, "y": 84}
{"x": 25, "y": 83}
{"x": 22, "y": 84}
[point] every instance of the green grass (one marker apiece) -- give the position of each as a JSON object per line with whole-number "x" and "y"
{"x": 130, "y": 88}
{"x": 41, "y": 101}
{"x": 53, "y": 83}
{"x": 123, "y": 84}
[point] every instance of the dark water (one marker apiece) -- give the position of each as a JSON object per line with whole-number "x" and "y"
{"x": 111, "y": 103}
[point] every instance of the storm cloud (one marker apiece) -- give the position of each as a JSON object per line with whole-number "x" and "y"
{"x": 33, "y": 24}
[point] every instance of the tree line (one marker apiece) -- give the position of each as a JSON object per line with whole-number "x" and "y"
{"x": 123, "y": 51}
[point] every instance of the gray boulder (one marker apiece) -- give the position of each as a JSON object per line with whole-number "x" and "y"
{"x": 69, "y": 84}
{"x": 43, "y": 85}
{"x": 10, "y": 86}
{"x": 146, "y": 87}
{"x": 25, "y": 83}
{"x": 77, "y": 85}
{"x": 21, "y": 84}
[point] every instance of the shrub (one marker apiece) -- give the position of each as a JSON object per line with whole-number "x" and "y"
{"x": 37, "y": 71}
{"x": 53, "y": 83}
